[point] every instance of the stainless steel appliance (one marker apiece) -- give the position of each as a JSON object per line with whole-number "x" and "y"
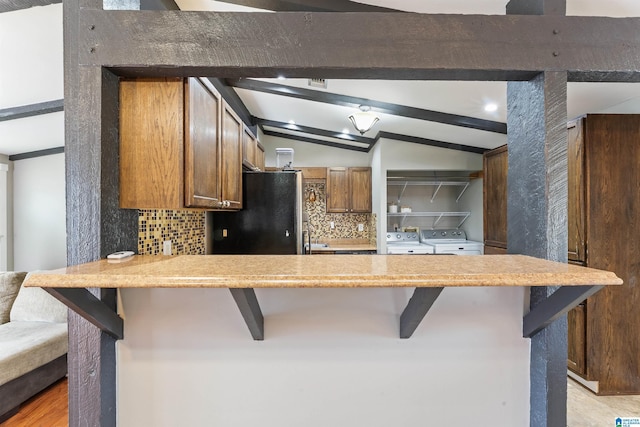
{"x": 270, "y": 221}
{"x": 451, "y": 241}
{"x": 406, "y": 243}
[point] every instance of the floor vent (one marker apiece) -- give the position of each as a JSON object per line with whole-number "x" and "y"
{"x": 322, "y": 83}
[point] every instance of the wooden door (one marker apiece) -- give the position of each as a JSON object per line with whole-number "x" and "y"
{"x": 151, "y": 143}
{"x": 231, "y": 159}
{"x": 577, "y": 340}
{"x": 337, "y": 190}
{"x": 576, "y": 192}
{"x": 612, "y": 156}
{"x": 360, "y": 189}
{"x": 202, "y": 107}
{"x": 495, "y": 197}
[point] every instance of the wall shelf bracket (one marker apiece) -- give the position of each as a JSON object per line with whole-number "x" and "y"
{"x": 91, "y": 308}
{"x": 556, "y": 304}
{"x": 418, "y": 307}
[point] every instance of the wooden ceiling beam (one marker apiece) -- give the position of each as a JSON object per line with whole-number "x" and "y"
{"x": 360, "y": 45}
{"x": 377, "y": 106}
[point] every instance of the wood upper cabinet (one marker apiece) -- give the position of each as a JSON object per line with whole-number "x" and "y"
{"x": 252, "y": 151}
{"x": 202, "y": 123}
{"x": 231, "y": 159}
{"x": 495, "y": 198}
{"x": 576, "y": 192}
{"x": 348, "y": 190}
{"x": 178, "y": 148}
{"x": 260, "y": 156}
{"x": 151, "y": 143}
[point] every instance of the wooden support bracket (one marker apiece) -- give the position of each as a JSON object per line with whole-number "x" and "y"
{"x": 91, "y": 308}
{"x": 250, "y": 309}
{"x": 557, "y": 304}
{"x": 418, "y": 306}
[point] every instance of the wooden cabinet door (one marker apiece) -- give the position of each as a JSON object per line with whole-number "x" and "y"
{"x": 577, "y": 339}
{"x": 337, "y": 190}
{"x": 495, "y": 197}
{"x": 576, "y": 192}
{"x": 231, "y": 159}
{"x": 259, "y": 156}
{"x": 151, "y": 143}
{"x": 360, "y": 189}
{"x": 202, "y": 107}
{"x": 249, "y": 149}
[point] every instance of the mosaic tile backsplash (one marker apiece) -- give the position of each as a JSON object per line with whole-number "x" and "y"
{"x": 346, "y": 225}
{"x": 184, "y": 228}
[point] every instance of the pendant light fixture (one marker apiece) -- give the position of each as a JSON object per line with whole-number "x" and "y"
{"x": 364, "y": 119}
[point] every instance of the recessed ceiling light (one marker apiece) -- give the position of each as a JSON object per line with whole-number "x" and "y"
{"x": 491, "y": 107}
{"x": 282, "y": 78}
{"x": 345, "y": 131}
{"x": 292, "y": 122}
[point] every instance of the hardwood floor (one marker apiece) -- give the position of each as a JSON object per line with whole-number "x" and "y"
{"x": 584, "y": 409}
{"x": 47, "y": 409}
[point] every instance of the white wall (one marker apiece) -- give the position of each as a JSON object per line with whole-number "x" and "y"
{"x": 6, "y": 214}
{"x": 39, "y": 213}
{"x": 308, "y": 155}
{"x": 331, "y": 357}
{"x": 31, "y": 72}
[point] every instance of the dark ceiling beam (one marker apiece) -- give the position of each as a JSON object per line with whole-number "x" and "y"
{"x": 13, "y": 5}
{"x": 313, "y": 131}
{"x": 360, "y": 45}
{"x": 31, "y": 110}
{"x": 314, "y": 141}
{"x": 430, "y": 142}
{"x": 310, "y": 6}
{"x": 378, "y": 106}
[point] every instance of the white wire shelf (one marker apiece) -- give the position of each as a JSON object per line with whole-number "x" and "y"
{"x": 437, "y": 215}
{"x": 437, "y": 184}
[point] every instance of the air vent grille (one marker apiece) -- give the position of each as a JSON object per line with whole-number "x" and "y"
{"x": 322, "y": 83}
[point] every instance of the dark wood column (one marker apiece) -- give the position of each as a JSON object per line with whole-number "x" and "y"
{"x": 537, "y": 209}
{"x": 95, "y": 224}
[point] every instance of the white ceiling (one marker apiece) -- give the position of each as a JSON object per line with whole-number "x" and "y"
{"x": 31, "y": 43}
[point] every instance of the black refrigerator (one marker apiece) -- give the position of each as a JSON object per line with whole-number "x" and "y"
{"x": 270, "y": 222}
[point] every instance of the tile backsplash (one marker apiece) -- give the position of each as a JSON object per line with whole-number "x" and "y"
{"x": 346, "y": 225}
{"x": 184, "y": 228}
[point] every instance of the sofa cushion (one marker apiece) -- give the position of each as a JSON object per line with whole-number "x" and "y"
{"x": 36, "y": 305}
{"x": 25, "y": 346}
{"x": 9, "y": 286}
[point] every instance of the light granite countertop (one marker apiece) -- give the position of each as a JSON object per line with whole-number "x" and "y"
{"x": 332, "y": 271}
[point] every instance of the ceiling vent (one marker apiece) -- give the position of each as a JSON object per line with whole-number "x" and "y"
{"x": 321, "y": 83}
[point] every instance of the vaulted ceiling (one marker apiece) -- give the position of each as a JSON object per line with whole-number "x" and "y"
{"x": 443, "y": 113}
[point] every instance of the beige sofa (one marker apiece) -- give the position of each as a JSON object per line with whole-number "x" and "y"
{"x": 33, "y": 342}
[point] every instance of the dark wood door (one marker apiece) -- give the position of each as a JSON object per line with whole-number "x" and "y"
{"x": 612, "y": 155}
{"x": 337, "y": 190}
{"x": 495, "y": 197}
{"x": 577, "y": 340}
{"x": 360, "y": 189}
{"x": 202, "y": 123}
{"x": 576, "y": 211}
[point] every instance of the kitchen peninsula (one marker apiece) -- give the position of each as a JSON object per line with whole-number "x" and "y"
{"x": 167, "y": 310}
{"x": 241, "y": 274}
